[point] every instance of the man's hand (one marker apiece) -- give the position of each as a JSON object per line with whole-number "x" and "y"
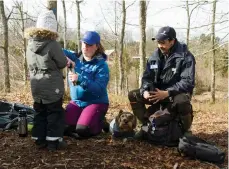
{"x": 156, "y": 96}
{"x": 147, "y": 95}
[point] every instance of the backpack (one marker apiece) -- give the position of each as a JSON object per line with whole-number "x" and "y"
{"x": 197, "y": 148}
{"x": 9, "y": 113}
{"x": 163, "y": 128}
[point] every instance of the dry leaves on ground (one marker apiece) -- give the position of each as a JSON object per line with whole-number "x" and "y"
{"x": 103, "y": 152}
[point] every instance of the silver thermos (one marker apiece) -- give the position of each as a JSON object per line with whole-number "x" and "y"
{"x": 22, "y": 123}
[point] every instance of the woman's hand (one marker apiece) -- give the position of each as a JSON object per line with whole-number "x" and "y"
{"x": 72, "y": 76}
{"x": 70, "y": 63}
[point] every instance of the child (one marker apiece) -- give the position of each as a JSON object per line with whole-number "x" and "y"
{"x": 45, "y": 60}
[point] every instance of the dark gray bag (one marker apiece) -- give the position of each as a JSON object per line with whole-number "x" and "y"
{"x": 9, "y": 113}
{"x": 197, "y": 148}
{"x": 163, "y": 129}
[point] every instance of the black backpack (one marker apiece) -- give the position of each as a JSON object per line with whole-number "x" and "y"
{"x": 9, "y": 114}
{"x": 163, "y": 128}
{"x": 197, "y": 148}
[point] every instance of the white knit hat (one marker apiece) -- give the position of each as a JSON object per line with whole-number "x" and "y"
{"x": 47, "y": 20}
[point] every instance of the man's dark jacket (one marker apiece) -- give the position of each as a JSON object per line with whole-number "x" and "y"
{"x": 176, "y": 74}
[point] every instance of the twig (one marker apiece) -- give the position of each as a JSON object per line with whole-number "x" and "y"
{"x": 130, "y": 4}
{"x": 210, "y": 50}
{"x": 106, "y": 19}
{"x": 53, "y": 165}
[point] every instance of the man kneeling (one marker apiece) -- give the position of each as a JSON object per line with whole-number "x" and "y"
{"x": 167, "y": 82}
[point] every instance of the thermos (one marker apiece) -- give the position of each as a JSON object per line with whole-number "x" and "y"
{"x": 71, "y": 68}
{"x": 22, "y": 123}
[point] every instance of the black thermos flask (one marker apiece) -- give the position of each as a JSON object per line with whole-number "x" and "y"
{"x": 22, "y": 124}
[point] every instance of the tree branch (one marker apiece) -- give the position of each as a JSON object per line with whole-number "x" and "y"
{"x": 17, "y": 19}
{"x": 194, "y": 8}
{"x": 7, "y": 18}
{"x": 184, "y": 28}
{"x": 224, "y": 37}
{"x": 211, "y": 49}
{"x": 106, "y": 19}
{"x": 77, "y": 1}
{"x": 130, "y": 4}
{"x": 147, "y": 4}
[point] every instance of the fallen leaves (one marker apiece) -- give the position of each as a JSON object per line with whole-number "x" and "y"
{"x": 104, "y": 152}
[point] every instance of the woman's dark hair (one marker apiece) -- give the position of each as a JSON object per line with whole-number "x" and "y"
{"x": 100, "y": 49}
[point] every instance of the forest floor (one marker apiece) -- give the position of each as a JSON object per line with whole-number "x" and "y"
{"x": 210, "y": 123}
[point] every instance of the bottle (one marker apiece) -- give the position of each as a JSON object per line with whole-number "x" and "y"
{"x": 72, "y": 69}
{"x": 153, "y": 126}
{"x": 22, "y": 123}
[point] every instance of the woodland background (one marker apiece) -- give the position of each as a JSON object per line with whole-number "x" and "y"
{"x": 126, "y": 58}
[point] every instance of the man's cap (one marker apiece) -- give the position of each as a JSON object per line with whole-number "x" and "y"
{"x": 165, "y": 33}
{"x": 91, "y": 38}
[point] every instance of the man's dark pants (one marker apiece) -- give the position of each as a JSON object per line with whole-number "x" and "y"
{"x": 179, "y": 104}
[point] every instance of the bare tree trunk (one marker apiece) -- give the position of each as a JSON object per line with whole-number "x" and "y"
{"x": 116, "y": 72}
{"x": 121, "y": 70}
{"x": 116, "y": 53}
{"x": 65, "y": 44}
{"x": 65, "y": 24}
{"x": 127, "y": 84}
{"x": 213, "y": 53}
{"x": 5, "y": 48}
{"x": 188, "y": 23}
{"x": 142, "y": 47}
{"x": 127, "y": 71}
{"x": 25, "y": 75}
{"x": 189, "y": 12}
{"x": 78, "y": 26}
{"x": 137, "y": 77}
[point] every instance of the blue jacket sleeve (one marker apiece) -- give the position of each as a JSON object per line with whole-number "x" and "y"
{"x": 100, "y": 82}
{"x": 187, "y": 82}
{"x": 70, "y": 54}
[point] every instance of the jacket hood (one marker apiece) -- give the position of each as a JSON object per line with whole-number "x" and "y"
{"x": 40, "y": 33}
{"x": 179, "y": 47}
{"x": 36, "y": 44}
{"x": 102, "y": 56}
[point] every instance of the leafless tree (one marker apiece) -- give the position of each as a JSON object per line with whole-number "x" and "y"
{"x": 65, "y": 24}
{"x": 78, "y": 48}
{"x": 142, "y": 48}
{"x": 22, "y": 18}
{"x": 121, "y": 69}
{"x": 213, "y": 52}
{"x": 189, "y": 12}
{"x": 116, "y": 42}
{"x": 116, "y": 53}
{"x": 4, "y": 21}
